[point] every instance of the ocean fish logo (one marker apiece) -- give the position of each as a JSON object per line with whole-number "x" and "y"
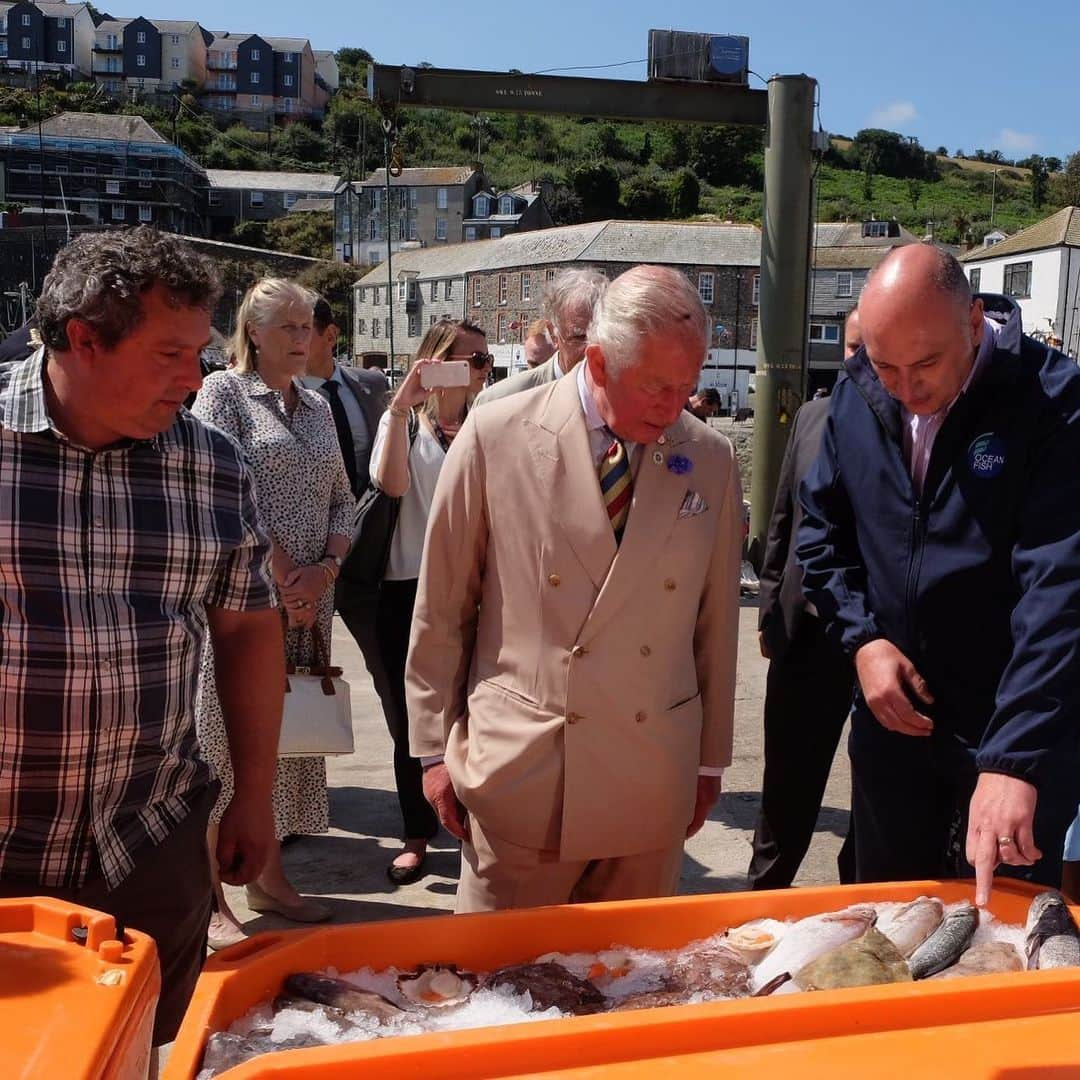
{"x": 986, "y": 456}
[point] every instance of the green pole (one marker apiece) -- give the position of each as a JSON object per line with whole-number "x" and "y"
{"x": 780, "y": 379}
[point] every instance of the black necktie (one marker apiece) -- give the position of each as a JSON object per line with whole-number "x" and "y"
{"x": 344, "y": 433}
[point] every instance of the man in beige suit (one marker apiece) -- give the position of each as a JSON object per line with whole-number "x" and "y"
{"x": 572, "y": 666}
{"x": 568, "y": 305}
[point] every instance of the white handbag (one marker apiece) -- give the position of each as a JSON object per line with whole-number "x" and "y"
{"x": 317, "y": 718}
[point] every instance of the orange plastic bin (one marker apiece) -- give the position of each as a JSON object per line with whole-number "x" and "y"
{"x": 71, "y": 1008}
{"x": 241, "y": 977}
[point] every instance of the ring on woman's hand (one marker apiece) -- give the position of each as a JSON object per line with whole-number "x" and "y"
{"x": 1005, "y": 841}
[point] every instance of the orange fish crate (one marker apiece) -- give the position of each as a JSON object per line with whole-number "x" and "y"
{"x": 81, "y": 1010}
{"x": 241, "y": 977}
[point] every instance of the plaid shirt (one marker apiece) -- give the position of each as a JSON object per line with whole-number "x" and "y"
{"x": 108, "y": 560}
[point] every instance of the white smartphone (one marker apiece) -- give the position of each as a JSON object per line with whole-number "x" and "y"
{"x": 448, "y": 373}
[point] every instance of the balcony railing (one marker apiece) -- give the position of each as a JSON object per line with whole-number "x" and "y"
{"x": 99, "y": 47}
{"x": 228, "y": 87}
{"x": 219, "y": 63}
{"x": 99, "y": 70}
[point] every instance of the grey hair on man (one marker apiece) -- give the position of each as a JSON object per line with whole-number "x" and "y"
{"x": 645, "y": 303}
{"x": 570, "y": 295}
{"x": 100, "y": 278}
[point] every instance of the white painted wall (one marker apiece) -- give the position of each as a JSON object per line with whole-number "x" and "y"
{"x": 718, "y": 371}
{"x": 1045, "y": 305}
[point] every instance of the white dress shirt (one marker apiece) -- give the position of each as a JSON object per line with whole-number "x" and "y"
{"x": 361, "y": 437}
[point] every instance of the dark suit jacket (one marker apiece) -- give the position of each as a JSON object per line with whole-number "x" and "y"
{"x": 370, "y": 390}
{"x": 16, "y": 346}
{"x": 781, "y": 604}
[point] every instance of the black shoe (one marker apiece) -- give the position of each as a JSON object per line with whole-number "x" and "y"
{"x": 291, "y": 839}
{"x": 405, "y": 875}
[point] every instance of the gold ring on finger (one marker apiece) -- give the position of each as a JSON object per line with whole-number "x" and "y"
{"x": 1005, "y": 841}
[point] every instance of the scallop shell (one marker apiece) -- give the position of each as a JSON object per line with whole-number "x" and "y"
{"x": 436, "y": 985}
{"x": 751, "y": 942}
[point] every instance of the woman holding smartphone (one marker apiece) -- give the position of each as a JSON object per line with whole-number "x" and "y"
{"x": 451, "y": 367}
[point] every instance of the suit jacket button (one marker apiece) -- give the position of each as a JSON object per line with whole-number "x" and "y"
{"x": 554, "y": 580}
{"x": 573, "y": 718}
{"x": 578, "y": 651}
{"x": 641, "y": 717}
{"x": 646, "y": 651}
{"x": 670, "y": 584}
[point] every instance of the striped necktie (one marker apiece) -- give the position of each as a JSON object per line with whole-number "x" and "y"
{"x": 616, "y": 485}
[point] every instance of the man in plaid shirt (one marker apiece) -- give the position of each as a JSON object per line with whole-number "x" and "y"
{"x": 127, "y": 529}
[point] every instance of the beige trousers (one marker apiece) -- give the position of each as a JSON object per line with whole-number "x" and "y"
{"x": 496, "y": 875}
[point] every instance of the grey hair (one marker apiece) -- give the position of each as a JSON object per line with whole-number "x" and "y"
{"x": 570, "y": 289}
{"x": 100, "y": 278}
{"x": 260, "y": 303}
{"x": 647, "y": 302}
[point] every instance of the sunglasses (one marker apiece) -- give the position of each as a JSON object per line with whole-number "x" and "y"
{"x": 479, "y": 360}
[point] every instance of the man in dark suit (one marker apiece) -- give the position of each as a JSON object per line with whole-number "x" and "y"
{"x": 357, "y": 399}
{"x": 809, "y": 685}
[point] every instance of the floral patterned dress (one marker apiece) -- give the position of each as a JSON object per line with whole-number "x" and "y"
{"x": 303, "y": 496}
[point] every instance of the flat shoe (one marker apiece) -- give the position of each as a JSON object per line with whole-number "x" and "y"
{"x": 233, "y": 936}
{"x": 307, "y": 911}
{"x": 405, "y": 875}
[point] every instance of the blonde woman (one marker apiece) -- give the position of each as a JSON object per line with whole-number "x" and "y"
{"x": 408, "y": 468}
{"x": 302, "y": 490}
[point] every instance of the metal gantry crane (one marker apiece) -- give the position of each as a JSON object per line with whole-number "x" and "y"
{"x": 785, "y": 110}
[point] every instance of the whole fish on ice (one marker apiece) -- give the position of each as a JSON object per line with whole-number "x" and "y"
{"x": 987, "y": 958}
{"x": 869, "y": 960}
{"x": 908, "y": 927}
{"x": 946, "y": 944}
{"x": 1053, "y": 940}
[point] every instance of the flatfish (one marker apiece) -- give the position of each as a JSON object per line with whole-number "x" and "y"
{"x": 339, "y": 994}
{"x": 946, "y": 944}
{"x": 715, "y": 969}
{"x": 869, "y": 960}
{"x": 988, "y": 958}
{"x": 1052, "y": 937}
{"x": 551, "y": 986}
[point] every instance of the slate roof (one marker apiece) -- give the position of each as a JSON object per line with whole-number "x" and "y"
{"x": 310, "y": 205}
{"x": 76, "y": 125}
{"x": 433, "y": 177}
{"x": 244, "y": 180}
{"x": 672, "y": 243}
{"x": 1059, "y": 230}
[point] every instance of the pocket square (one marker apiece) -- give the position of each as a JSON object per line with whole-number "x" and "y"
{"x": 692, "y": 505}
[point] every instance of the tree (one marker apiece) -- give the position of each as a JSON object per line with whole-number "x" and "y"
{"x": 1040, "y": 179}
{"x": 1053, "y": 164}
{"x": 250, "y": 234}
{"x": 685, "y": 193}
{"x": 334, "y": 281}
{"x": 604, "y": 142}
{"x": 596, "y": 184}
{"x": 299, "y": 143}
{"x": 1068, "y": 182}
{"x": 645, "y": 153}
{"x": 309, "y": 233}
{"x": 724, "y": 155}
{"x": 643, "y": 198}
{"x": 914, "y": 188}
{"x": 565, "y": 206}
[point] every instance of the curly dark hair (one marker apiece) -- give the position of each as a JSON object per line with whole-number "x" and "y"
{"x": 100, "y": 278}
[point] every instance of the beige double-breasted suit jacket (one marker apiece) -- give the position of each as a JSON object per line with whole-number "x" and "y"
{"x": 575, "y": 688}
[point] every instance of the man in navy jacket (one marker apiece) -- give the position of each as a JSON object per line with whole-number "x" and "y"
{"x": 941, "y": 545}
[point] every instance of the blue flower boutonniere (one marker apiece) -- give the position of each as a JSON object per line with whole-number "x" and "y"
{"x": 680, "y": 465}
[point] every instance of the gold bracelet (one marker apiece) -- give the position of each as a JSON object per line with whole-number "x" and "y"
{"x": 331, "y": 577}
{"x": 400, "y": 413}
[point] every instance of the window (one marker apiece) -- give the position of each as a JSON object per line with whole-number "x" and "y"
{"x": 826, "y": 333}
{"x": 256, "y": 198}
{"x": 376, "y": 198}
{"x": 256, "y": 55}
{"x": 440, "y": 228}
{"x": 89, "y": 170}
{"x": 757, "y": 290}
{"x": 976, "y": 280}
{"x": 146, "y": 213}
{"x": 374, "y": 256}
{"x": 61, "y": 170}
{"x": 145, "y": 178}
{"x": 402, "y": 229}
{"x": 705, "y": 287}
{"x": 140, "y": 60}
{"x": 289, "y": 57}
{"x": 476, "y": 292}
{"x": 843, "y": 283}
{"x": 373, "y": 229}
{"x": 256, "y": 101}
{"x": 753, "y": 334}
{"x": 504, "y": 288}
{"x": 375, "y": 328}
{"x": 61, "y": 24}
{"x": 483, "y": 206}
{"x": 286, "y": 80}
{"x": 401, "y": 290}
{"x": 361, "y": 326}
{"x": 448, "y": 290}
{"x": 470, "y": 232}
{"x": 140, "y": 37}
{"x": 214, "y": 197}
{"x": 25, "y": 40}
{"x": 500, "y": 326}
{"x": 526, "y": 287}
{"x": 496, "y": 232}
{"x": 441, "y": 199}
{"x": 61, "y": 46}
{"x": 112, "y": 187}
{"x": 174, "y": 38}
{"x": 1018, "y": 280}
{"x": 346, "y": 222}
{"x": 549, "y": 274}
{"x": 434, "y": 290}
{"x": 361, "y": 294}
{"x": 876, "y": 228}
{"x": 174, "y": 63}
{"x": 413, "y": 235}
{"x": 506, "y": 205}
{"x": 414, "y": 198}
{"x": 26, "y": 20}
{"x": 255, "y": 78}
{"x": 432, "y": 319}
{"x": 414, "y": 325}
{"x": 289, "y": 199}
{"x": 118, "y": 211}
{"x": 33, "y": 167}
{"x": 376, "y": 292}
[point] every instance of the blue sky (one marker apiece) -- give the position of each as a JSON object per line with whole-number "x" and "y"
{"x": 993, "y": 75}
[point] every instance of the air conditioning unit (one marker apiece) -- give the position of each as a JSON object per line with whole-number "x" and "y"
{"x": 691, "y": 57}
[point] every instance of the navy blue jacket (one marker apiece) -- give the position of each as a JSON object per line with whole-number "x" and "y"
{"x": 978, "y": 581}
